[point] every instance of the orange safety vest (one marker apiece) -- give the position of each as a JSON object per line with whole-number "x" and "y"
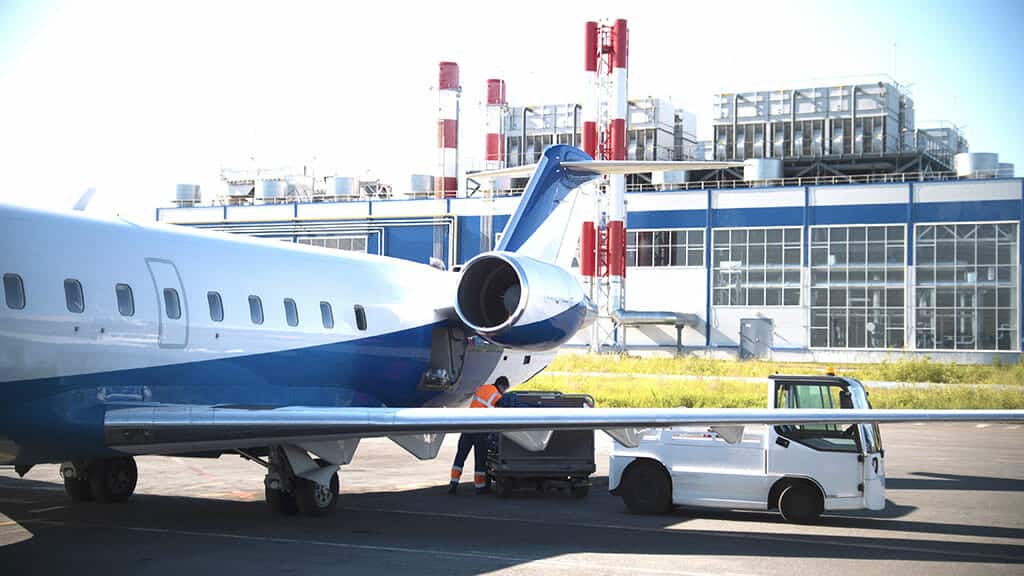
{"x": 485, "y": 396}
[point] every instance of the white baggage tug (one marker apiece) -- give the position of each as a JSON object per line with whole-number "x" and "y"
{"x": 800, "y": 470}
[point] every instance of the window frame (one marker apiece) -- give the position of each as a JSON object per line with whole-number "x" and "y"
{"x": 360, "y": 314}
{"x": 173, "y": 292}
{"x": 846, "y": 284}
{"x": 211, "y": 297}
{"x": 937, "y": 268}
{"x": 291, "y": 312}
{"x": 76, "y": 285}
{"x": 11, "y": 276}
{"x": 256, "y": 310}
{"x": 633, "y": 248}
{"x": 763, "y": 268}
{"x": 327, "y": 315}
{"x": 131, "y": 299}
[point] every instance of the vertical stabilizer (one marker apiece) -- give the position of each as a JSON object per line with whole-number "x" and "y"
{"x": 546, "y": 224}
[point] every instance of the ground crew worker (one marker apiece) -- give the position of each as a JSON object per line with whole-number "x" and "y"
{"x": 486, "y": 396}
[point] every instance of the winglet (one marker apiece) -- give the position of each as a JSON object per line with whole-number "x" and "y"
{"x": 84, "y": 199}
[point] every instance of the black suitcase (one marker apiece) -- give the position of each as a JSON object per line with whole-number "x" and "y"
{"x": 566, "y": 463}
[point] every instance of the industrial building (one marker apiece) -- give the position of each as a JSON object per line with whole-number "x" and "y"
{"x": 848, "y": 233}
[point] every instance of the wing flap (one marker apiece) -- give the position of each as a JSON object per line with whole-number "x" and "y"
{"x": 168, "y": 429}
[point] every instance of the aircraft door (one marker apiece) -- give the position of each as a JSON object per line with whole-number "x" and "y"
{"x": 170, "y": 296}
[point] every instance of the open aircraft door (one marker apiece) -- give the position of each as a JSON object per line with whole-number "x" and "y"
{"x": 170, "y": 296}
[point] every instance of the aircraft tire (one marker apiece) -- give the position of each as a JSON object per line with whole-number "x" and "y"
{"x": 280, "y": 502}
{"x": 113, "y": 479}
{"x": 313, "y": 499}
{"x": 646, "y": 488}
{"x": 78, "y": 489}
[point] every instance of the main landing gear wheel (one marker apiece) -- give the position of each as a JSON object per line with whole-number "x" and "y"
{"x": 112, "y": 479}
{"x": 646, "y": 489}
{"x": 315, "y": 499}
{"x": 78, "y": 489}
{"x": 281, "y": 503}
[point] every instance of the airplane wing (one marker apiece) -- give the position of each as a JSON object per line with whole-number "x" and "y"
{"x": 612, "y": 167}
{"x": 169, "y": 429}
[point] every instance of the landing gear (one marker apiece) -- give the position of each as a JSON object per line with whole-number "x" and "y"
{"x": 103, "y": 480}
{"x": 312, "y": 491}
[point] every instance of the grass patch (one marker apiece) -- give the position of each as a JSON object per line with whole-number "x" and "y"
{"x": 630, "y": 392}
{"x": 903, "y": 370}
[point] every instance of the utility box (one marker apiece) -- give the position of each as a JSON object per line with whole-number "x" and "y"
{"x": 756, "y": 335}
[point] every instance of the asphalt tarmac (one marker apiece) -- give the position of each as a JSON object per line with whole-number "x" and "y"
{"x": 956, "y": 506}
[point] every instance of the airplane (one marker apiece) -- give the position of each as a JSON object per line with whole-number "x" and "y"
{"x": 120, "y": 339}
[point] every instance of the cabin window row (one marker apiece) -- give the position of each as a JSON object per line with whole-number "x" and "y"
{"x": 74, "y": 296}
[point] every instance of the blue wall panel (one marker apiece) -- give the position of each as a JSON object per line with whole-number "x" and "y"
{"x": 967, "y": 211}
{"x": 666, "y": 219}
{"x": 414, "y": 243}
{"x": 859, "y": 214}
{"x": 744, "y": 217}
{"x": 469, "y": 238}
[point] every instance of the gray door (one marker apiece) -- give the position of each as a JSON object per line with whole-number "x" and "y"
{"x": 171, "y": 308}
{"x": 755, "y": 337}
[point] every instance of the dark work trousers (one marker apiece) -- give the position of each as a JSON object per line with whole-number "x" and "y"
{"x": 477, "y": 442}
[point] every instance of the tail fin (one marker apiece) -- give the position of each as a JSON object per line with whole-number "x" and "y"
{"x": 546, "y": 224}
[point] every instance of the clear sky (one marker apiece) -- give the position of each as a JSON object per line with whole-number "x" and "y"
{"x": 132, "y": 97}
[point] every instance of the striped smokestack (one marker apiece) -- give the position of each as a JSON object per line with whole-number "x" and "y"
{"x": 448, "y": 90}
{"x": 495, "y": 123}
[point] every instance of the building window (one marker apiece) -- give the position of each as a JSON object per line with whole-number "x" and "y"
{"x": 347, "y": 243}
{"x": 172, "y": 305}
{"x": 360, "y": 316}
{"x": 73, "y": 296}
{"x": 291, "y": 312}
{"x": 857, "y": 286}
{"x": 256, "y": 309}
{"x": 216, "y": 306}
{"x": 663, "y": 248}
{"x": 125, "y": 299}
{"x": 14, "y": 291}
{"x": 327, "y": 315}
{"x": 756, "y": 266}
{"x": 965, "y": 291}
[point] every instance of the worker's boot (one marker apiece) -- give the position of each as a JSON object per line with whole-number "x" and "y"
{"x": 452, "y": 487}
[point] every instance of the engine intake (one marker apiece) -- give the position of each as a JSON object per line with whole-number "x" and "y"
{"x": 519, "y": 302}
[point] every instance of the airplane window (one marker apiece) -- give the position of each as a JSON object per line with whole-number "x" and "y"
{"x": 256, "y": 309}
{"x": 360, "y": 317}
{"x": 291, "y": 312}
{"x": 14, "y": 291}
{"x": 73, "y": 296}
{"x": 327, "y": 315}
{"x": 171, "y": 303}
{"x": 216, "y": 306}
{"x": 125, "y": 300}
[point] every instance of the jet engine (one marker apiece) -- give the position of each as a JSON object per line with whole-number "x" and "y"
{"x": 520, "y": 302}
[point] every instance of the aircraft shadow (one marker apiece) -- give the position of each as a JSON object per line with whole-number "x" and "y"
{"x": 165, "y": 531}
{"x": 936, "y": 481}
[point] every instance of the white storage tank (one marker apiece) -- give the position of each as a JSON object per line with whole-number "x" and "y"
{"x": 976, "y": 164}
{"x": 757, "y": 169}
{"x": 1005, "y": 170}
{"x": 187, "y": 195}
{"x": 273, "y": 191}
{"x": 421, "y": 184}
{"x": 670, "y": 179}
{"x": 345, "y": 187}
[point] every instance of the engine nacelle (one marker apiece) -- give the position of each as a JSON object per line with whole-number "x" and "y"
{"x": 519, "y": 302}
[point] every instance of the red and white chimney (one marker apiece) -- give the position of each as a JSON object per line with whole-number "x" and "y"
{"x": 448, "y": 90}
{"x": 603, "y": 251}
{"x": 495, "y": 123}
